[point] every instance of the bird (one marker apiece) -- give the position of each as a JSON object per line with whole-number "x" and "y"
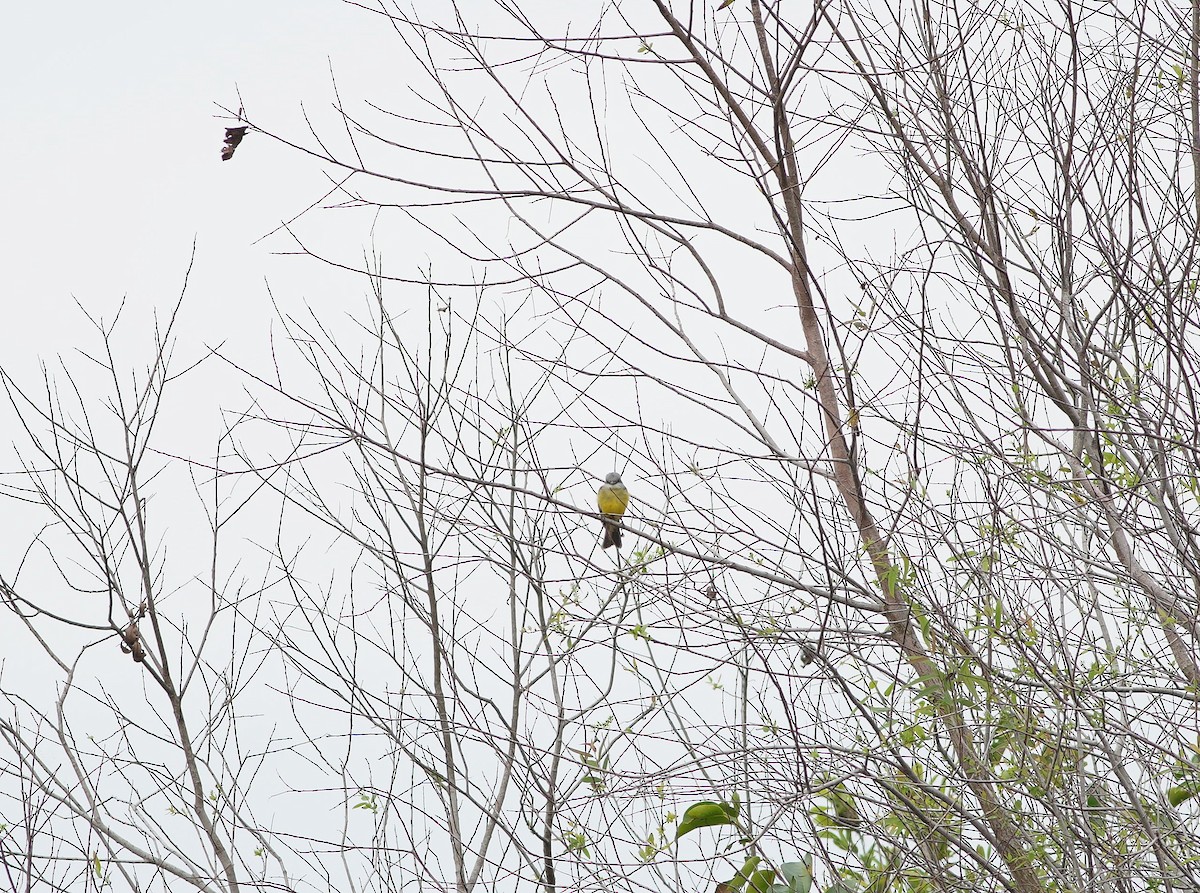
{"x": 612, "y": 500}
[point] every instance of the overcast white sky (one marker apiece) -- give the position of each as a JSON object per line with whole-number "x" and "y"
{"x": 112, "y": 168}
{"x": 111, "y": 162}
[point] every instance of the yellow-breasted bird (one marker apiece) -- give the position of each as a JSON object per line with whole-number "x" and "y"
{"x": 612, "y": 500}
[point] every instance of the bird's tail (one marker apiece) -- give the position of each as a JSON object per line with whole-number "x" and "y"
{"x": 612, "y": 533}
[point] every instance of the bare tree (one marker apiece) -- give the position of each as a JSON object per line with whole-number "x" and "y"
{"x": 119, "y": 764}
{"x": 887, "y": 316}
{"x": 964, "y": 447}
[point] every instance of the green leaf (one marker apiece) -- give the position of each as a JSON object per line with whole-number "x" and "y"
{"x": 753, "y": 879}
{"x": 844, "y": 809}
{"x": 762, "y": 881}
{"x": 577, "y": 843}
{"x": 797, "y": 875}
{"x": 738, "y": 881}
{"x": 1180, "y": 794}
{"x": 705, "y": 814}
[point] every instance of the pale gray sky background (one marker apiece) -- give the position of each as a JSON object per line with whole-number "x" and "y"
{"x": 111, "y": 162}
{"x": 111, "y": 157}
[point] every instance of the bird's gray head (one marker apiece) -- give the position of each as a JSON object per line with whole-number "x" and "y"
{"x": 612, "y": 478}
